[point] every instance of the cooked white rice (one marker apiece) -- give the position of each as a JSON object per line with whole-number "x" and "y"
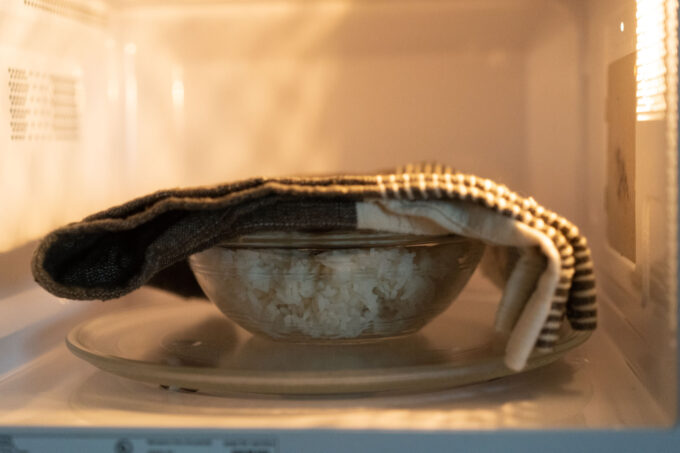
{"x": 343, "y": 293}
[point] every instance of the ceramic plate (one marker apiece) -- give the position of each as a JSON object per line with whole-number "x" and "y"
{"x": 191, "y": 345}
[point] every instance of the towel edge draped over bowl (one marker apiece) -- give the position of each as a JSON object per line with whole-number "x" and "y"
{"x": 147, "y": 240}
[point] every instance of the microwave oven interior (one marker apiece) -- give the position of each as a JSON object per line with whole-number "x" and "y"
{"x": 571, "y": 101}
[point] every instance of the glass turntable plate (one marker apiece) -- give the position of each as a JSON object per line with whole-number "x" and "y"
{"x": 192, "y": 346}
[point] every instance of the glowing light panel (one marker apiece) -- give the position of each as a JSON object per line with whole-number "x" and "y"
{"x": 652, "y": 32}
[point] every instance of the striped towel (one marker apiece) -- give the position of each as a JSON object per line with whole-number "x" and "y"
{"x": 549, "y": 268}
{"x": 540, "y": 258}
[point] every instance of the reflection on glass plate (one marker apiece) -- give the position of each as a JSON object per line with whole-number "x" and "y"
{"x": 193, "y": 346}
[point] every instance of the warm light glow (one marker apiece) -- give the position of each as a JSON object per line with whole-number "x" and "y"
{"x": 657, "y": 100}
{"x": 178, "y": 93}
{"x": 130, "y": 48}
{"x": 622, "y": 26}
{"x": 651, "y": 59}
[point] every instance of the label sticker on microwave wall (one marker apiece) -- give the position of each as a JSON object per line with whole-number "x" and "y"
{"x": 620, "y": 189}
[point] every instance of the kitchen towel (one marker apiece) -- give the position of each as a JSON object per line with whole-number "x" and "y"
{"x": 541, "y": 259}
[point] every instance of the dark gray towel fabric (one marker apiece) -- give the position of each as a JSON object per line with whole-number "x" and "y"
{"x": 111, "y": 253}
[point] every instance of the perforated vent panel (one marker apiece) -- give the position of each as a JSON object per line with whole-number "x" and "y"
{"x": 42, "y": 106}
{"x": 84, "y": 11}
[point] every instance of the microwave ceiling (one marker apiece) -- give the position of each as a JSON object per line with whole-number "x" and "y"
{"x": 211, "y": 30}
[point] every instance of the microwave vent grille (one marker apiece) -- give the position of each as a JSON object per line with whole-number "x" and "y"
{"x": 42, "y": 105}
{"x": 81, "y": 10}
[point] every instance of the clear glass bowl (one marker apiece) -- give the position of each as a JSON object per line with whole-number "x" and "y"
{"x": 335, "y": 286}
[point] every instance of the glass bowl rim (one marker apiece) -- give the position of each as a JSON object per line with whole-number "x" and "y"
{"x": 336, "y": 239}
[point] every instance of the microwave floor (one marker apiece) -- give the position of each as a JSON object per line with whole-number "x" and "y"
{"x": 53, "y": 388}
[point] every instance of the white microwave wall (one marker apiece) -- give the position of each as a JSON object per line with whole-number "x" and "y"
{"x": 102, "y": 101}
{"x": 189, "y": 94}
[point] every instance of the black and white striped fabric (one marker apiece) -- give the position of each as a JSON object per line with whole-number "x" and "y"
{"x": 575, "y": 295}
